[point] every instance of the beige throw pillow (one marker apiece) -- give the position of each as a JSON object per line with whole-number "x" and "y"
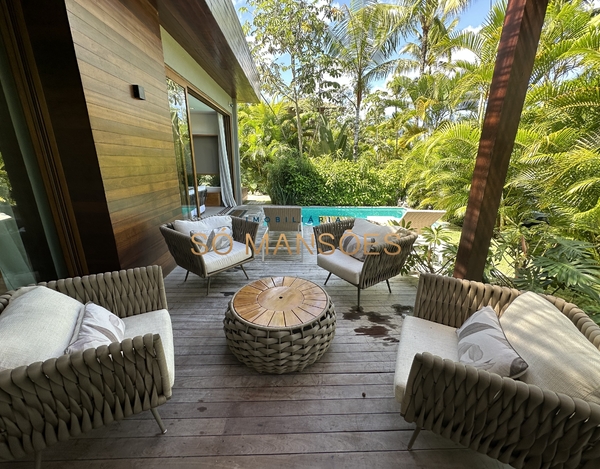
{"x": 560, "y": 358}
{"x": 36, "y": 325}
{"x": 482, "y": 344}
{"x": 98, "y": 327}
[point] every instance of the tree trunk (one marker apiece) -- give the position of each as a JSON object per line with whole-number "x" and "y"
{"x": 296, "y": 105}
{"x": 357, "y": 124}
{"x": 424, "y": 48}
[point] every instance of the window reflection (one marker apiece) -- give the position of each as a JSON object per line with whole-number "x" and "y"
{"x": 183, "y": 149}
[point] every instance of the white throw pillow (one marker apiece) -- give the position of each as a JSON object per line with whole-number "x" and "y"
{"x": 98, "y": 327}
{"x": 36, "y": 325}
{"x": 482, "y": 344}
{"x": 364, "y": 227}
{"x": 218, "y": 239}
{"x": 206, "y": 224}
{"x": 355, "y": 245}
{"x": 560, "y": 358}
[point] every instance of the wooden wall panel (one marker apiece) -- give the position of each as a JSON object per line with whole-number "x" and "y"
{"x": 117, "y": 44}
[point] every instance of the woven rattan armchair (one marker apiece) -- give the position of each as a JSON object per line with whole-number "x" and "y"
{"x": 51, "y": 401}
{"x": 509, "y": 420}
{"x": 375, "y": 268}
{"x": 182, "y": 249}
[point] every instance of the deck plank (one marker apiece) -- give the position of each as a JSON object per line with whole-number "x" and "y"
{"x": 339, "y": 412}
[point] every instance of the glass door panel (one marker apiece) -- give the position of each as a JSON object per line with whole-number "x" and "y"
{"x": 183, "y": 149}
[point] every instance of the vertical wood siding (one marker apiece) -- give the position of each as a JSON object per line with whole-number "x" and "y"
{"x": 117, "y": 43}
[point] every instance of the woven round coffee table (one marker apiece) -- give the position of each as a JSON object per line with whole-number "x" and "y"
{"x": 279, "y": 324}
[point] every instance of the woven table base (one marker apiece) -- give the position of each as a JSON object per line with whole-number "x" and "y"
{"x": 281, "y": 349}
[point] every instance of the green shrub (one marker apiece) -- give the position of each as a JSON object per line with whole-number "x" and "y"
{"x": 294, "y": 181}
{"x": 328, "y": 181}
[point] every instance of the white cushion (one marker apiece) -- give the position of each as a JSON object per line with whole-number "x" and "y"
{"x": 560, "y": 358}
{"x": 209, "y": 223}
{"x": 216, "y": 239}
{"x": 482, "y": 344}
{"x": 98, "y": 327}
{"x": 155, "y": 322}
{"x": 355, "y": 245}
{"x": 363, "y": 228}
{"x": 218, "y": 260}
{"x": 419, "y": 335}
{"x": 340, "y": 264}
{"x": 36, "y": 326}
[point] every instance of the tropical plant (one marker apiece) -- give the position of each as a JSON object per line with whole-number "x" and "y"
{"x": 289, "y": 36}
{"x": 427, "y": 22}
{"x": 435, "y": 253}
{"x": 364, "y": 44}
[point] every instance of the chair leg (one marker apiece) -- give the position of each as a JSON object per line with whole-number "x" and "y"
{"x": 186, "y": 276}
{"x": 327, "y": 279}
{"x": 208, "y": 285}
{"x": 414, "y": 437}
{"x": 358, "y": 300}
{"x": 388, "y": 284}
{"x": 242, "y": 266}
{"x": 38, "y": 460}
{"x": 161, "y": 425}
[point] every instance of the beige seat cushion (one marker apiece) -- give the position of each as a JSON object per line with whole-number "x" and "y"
{"x": 155, "y": 322}
{"x": 342, "y": 265}
{"x": 417, "y": 336}
{"x": 215, "y": 261}
{"x": 35, "y": 326}
{"x": 560, "y": 358}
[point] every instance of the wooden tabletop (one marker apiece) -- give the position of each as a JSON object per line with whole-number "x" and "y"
{"x": 280, "y": 302}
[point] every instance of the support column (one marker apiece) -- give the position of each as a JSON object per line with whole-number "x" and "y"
{"x": 514, "y": 63}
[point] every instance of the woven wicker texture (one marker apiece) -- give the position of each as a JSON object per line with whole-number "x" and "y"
{"x": 279, "y": 349}
{"x": 44, "y": 403}
{"x": 514, "y": 422}
{"x": 376, "y": 268}
{"x": 182, "y": 248}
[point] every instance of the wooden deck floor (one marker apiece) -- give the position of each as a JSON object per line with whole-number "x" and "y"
{"x": 338, "y": 413}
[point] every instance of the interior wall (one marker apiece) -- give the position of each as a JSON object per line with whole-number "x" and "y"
{"x": 118, "y": 44}
{"x": 205, "y": 130}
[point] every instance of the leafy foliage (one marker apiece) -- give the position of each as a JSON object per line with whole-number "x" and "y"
{"x": 418, "y": 138}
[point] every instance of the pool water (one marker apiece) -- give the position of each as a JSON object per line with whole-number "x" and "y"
{"x": 316, "y": 215}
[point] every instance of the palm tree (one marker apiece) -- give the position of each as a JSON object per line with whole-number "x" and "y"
{"x": 426, "y": 21}
{"x": 364, "y": 43}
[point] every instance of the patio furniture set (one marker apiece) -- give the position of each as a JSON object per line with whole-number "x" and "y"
{"x": 544, "y": 416}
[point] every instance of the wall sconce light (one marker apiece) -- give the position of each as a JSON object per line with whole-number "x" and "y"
{"x": 138, "y": 92}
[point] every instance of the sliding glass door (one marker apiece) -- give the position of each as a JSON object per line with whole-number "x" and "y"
{"x": 188, "y": 187}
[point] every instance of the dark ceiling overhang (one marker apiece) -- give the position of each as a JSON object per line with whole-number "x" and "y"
{"x": 210, "y": 31}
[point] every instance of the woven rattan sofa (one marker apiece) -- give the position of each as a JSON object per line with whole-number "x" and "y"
{"x": 206, "y": 266}
{"x": 383, "y": 262}
{"x": 514, "y": 421}
{"x": 50, "y": 401}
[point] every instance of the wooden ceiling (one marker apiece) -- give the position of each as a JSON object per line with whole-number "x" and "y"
{"x": 209, "y": 30}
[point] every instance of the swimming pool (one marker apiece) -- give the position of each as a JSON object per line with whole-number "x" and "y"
{"x": 316, "y": 215}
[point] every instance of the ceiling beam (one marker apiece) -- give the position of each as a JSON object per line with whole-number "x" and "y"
{"x": 514, "y": 64}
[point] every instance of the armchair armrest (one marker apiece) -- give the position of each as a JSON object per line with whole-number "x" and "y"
{"x": 386, "y": 259}
{"x": 336, "y": 229}
{"x": 124, "y": 292}
{"x": 241, "y": 228}
{"x": 509, "y": 420}
{"x": 450, "y": 301}
{"x": 53, "y": 400}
